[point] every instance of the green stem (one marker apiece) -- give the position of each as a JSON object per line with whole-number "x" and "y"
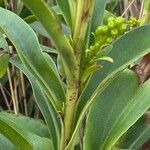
{"x": 72, "y": 93}
{"x": 73, "y": 6}
{"x": 62, "y": 135}
{"x": 83, "y": 15}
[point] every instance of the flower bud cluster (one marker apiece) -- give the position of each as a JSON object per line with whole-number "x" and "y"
{"x": 106, "y": 34}
{"x": 133, "y": 22}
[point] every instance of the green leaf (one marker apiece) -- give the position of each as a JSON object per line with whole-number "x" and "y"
{"x": 114, "y": 111}
{"x": 4, "y": 60}
{"x": 4, "y": 57}
{"x": 98, "y": 13}
{"x": 124, "y": 52}
{"x": 38, "y": 28}
{"x": 65, "y": 8}
{"x": 3, "y": 43}
{"x": 53, "y": 27}
{"x": 33, "y": 125}
{"x": 49, "y": 114}
{"x": 137, "y": 135}
{"x": 51, "y": 63}
{"x": 6, "y": 144}
{"x": 23, "y": 139}
{"x": 48, "y": 49}
{"x": 30, "y": 19}
{"x": 28, "y": 48}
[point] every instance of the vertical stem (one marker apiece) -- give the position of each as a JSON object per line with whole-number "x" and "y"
{"x": 72, "y": 93}
{"x": 5, "y": 98}
{"x": 12, "y": 92}
{"x": 14, "y": 6}
{"x": 145, "y": 17}
{"x": 24, "y": 93}
{"x": 6, "y": 4}
{"x": 15, "y": 83}
{"x": 73, "y": 5}
{"x": 62, "y": 141}
{"x": 81, "y": 22}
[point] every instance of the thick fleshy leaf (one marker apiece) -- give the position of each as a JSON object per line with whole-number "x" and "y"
{"x": 49, "y": 114}
{"x": 20, "y": 137}
{"x": 114, "y": 111}
{"x": 6, "y": 144}
{"x": 137, "y": 135}
{"x": 28, "y": 48}
{"x": 35, "y": 126}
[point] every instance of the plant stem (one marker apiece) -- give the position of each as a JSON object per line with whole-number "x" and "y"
{"x": 84, "y": 12}
{"x": 5, "y": 97}
{"x": 145, "y": 17}
{"x": 62, "y": 135}
{"x": 72, "y": 95}
{"x": 83, "y": 15}
{"x": 73, "y": 5}
{"x": 24, "y": 93}
{"x": 12, "y": 92}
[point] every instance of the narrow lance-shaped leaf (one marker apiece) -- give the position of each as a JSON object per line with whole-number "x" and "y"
{"x": 137, "y": 135}
{"x": 41, "y": 10}
{"x": 4, "y": 60}
{"x": 48, "y": 112}
{"x": 23, "y": 139}
{"x": 6, "y": 144}
{"x": 4, "y": 56}
{"x": 35, "y": 126}
{"x": 65, "y": 8}
{"x": 97, "y": 17}
{"x": 26, "y": 43}
{"x": 114, "y": 111}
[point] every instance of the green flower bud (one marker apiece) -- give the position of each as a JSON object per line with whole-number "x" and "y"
{"x": 133, "y": 22}
{"x": 109, "y": 40}
{"x": 111, "y": 24}
{"x": 96, "y": 46}
{"x": 105, "y": 29}
{"x": 111, "y": 19}
{"x": 114, "y": 32}
{"x": 120, "y": 20}
{"x": 92, "y": 48}
{"x": 99, "y": 30}
{"x": 87, "y": 50}
{"x": 123, "y": 28}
